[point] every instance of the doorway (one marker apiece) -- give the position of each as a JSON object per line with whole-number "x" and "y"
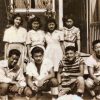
{"x": 78, "y": 10}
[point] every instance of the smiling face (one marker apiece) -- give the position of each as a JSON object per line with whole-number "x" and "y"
{"x": 97, "y": 50}
{"x": 13, "y": 60}
{"x": 35, "y": 25}
{"x": 51, "y": 26}
{"x": 70, "y": 55}
{"x": 17, "y": 21}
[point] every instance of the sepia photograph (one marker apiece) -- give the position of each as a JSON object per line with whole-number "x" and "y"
{"x": 50, "y": 50}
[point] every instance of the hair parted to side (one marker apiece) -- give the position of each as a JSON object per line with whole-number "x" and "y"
{"x": 35, "y": 19}
{"x": 14, "y": 17}
{"x": 95, "y": 42}
{"x": 14, "y": 52}
{"x": 73, "y": 48}
{"x": 37, "y": 50}
{"x": 50, "y": 20}
{"x": 66, "y": 17}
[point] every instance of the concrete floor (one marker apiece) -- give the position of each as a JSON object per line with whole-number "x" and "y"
{"x": 48, "y": 96}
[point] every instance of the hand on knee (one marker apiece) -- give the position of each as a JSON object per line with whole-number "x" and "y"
{"x": 13, "y": 89}
{"x": 28, "y": 92}
{"x": 3, "y": 89}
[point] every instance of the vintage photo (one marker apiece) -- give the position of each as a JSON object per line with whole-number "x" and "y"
{"x": 50, "y": 50}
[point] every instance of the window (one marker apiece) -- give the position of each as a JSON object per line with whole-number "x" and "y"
{"x": 32, "y": 5}
{"x": 94, "y": 10}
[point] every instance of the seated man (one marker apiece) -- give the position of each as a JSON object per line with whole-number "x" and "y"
{"x": 70, "y": 74}
{"x": 40, "y": 74}
{"x": 11, "y": 75}
{"x": 93, "y": 63}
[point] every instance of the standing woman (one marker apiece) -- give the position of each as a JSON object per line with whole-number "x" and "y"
{"x": 15, "y": 37}
{"x": 35, "y": 36}
{"x": 71, "y": 33}
{"x": 54, "y": 40}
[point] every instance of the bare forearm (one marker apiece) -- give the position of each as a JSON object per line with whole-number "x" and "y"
{"x": 28, "y": 49}
{"x": 6, "y": 47}
{"x": 48, "y": 77}
{"x": 59, "y": 78}
{"x": 76, "y": 74}
{"x": 62, "y": 47}
{"x": 79, "y": 45}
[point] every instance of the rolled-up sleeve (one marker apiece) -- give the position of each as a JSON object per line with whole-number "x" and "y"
{"x": 3, "y": 78}
{"x": 21, "y": 79}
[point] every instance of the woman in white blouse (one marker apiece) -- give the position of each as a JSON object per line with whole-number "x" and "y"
{"x": 35, "y": 36}
{"x": 54, "y": 40}
{"x": 15, "y": 37}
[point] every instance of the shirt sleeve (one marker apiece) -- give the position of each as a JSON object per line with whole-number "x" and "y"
{"x": 90, "y": 62}
{"x": 29, "y": 69}
{"x": 60, "y": 67}
{"x": 61, "y": 35}
{"x": 25, "y": 35}
{"x": 3, "y": 78}
{"x": 6, "y": 37}
{"x": 21, "y": 79}
{"x": 28, "y": 39}
{"x": 81, "y": 61}
{"x": 78, "y": 33}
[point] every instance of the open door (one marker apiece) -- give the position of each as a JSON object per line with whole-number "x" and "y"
{"x": 78, "y": 9}
{"x": 94, "y": 22}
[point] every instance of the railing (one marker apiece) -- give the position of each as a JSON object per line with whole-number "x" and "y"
{"x": 94, "y": 33}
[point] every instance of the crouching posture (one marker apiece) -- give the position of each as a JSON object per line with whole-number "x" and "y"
{"x": 71, "y": 73}
{"x": 93, "y": 63}
{"x": 11, "y": 75}
{"x": 40, "y": 74}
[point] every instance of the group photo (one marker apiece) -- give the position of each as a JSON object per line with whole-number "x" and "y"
{"x": 50, "y": 50}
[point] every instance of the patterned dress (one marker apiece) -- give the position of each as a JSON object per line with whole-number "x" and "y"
{"x": 71, "y": 36}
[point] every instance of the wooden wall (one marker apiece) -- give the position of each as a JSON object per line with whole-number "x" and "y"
{"x": 3, "y": 22}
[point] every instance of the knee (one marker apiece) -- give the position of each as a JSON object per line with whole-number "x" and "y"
{"x": 89, "y": 83}
{"x": 3, "y": 88}
{"x": 54, "y": 82}
{"x": 28, "y": 92}
{"x": 80, "y": 79}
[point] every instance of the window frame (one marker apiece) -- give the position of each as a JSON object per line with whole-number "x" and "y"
{"x": 31, "y": 10}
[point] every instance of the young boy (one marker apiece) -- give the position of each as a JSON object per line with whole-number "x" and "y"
{"x": 93, "y": 63}
{"x": 40, "y": 74}
{"x": 11, "y": 75}
{"x": 71, "y": 72}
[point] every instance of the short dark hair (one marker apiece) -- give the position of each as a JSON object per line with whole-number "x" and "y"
{"x": 70, "y": 48}
{"x": 14, "y": 16}
{"x": 14, "y": 52}
{"x": 35, "y": 19}
{"x": 50, "y": 20}
{"x": 37, "y": 50}
{"x": 95, "y": 42}
{"x": 66, "y": 17}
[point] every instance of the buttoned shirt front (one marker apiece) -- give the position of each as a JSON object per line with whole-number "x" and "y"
{"x": 46, "y": 66}
{"x": 14, "y": 35}
{"x": 36, "y": 37}
{"x": 9, "y": 75}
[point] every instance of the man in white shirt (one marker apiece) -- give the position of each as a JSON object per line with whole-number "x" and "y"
{"x": 11, "y": 75}
{"x": 93, "y": 63}
{"x": 40, "y": 74}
